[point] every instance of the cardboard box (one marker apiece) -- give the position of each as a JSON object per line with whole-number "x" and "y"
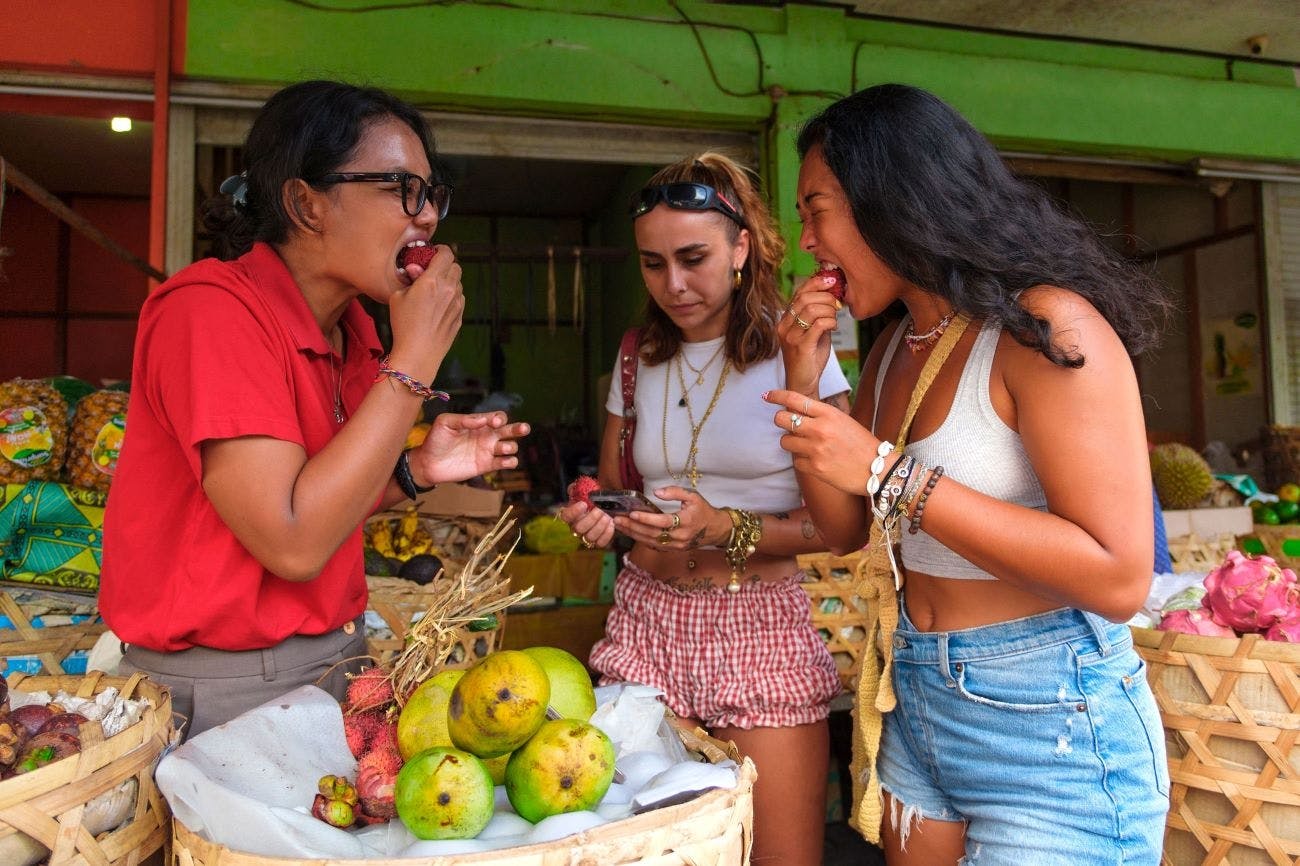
{"x": 574, "y": 629}
{"x": 461, "y": 500}
{"x": 1208, "y": 522}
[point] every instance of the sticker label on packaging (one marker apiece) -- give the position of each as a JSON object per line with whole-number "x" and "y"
{"x": 25, "y": 436}
{"x": 108, "y": 444}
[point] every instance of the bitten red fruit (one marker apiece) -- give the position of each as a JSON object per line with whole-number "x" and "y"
{"x": 376, "y": 779}
{"x": 583, "y": 488}
{"x": 417, "y": 255}
{"x": 837, "y": 290}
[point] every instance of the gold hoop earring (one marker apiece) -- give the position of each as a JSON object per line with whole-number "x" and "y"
{"x": 737, "y": 280}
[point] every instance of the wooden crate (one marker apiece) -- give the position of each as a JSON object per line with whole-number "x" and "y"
{"x": 839, "y": 616}
{"x": 1280, "y": 542}
{"x": 53, "y": 646}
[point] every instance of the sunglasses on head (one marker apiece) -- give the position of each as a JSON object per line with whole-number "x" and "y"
{"x": 684, "y": 196}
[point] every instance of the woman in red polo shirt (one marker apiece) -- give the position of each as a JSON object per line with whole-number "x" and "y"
{"x": 265, "y": 426}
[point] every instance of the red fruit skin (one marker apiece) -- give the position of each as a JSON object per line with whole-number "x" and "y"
{"x": 31, "y": 717}
{"x": 417, "y": 256}
{"x": 371, "y": 689}
{"x": 359, "y": 729}
{"x": 68, "y": 723}
{"x": 376, "y": 779}
{"x": 836, "y": 290}
{"x": 583, "y": 488}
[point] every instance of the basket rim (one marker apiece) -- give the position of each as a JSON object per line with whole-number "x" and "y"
{"x": 186, "y": 839}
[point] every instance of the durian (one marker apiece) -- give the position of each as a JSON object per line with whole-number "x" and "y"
{"x": 98, "y": 427}
{"x": 1181, "y": 475}
{"x": 33, "y": 431}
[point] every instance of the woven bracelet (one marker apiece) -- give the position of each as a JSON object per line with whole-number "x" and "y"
{"x": 915, "y": 526}
{"x": 415, "y": 387}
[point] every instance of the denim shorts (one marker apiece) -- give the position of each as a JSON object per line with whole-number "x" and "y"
{"x": 1041, "y": 733}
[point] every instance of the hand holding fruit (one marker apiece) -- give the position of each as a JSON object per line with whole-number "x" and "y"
{"x": 426, "y": 315}
{"x": 593, "y": 526}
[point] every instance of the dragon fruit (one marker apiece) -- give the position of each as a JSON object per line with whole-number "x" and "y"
{"x": 1199, "y": 621}
{"x": 1250, "y": 594}
{"x": 1286, "y": 629}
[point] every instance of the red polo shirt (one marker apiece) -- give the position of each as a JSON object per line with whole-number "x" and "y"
{"x": 224, "y": 349}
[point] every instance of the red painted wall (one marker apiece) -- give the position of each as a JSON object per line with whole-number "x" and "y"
{"x": 44, "y": 254}
{"x": 87, "y": 36}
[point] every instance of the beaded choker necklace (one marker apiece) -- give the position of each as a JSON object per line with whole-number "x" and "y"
{"x": 691, "y": 469}
{"x": 920, "y": 342}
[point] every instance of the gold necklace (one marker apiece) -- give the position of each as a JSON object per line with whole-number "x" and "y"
{"x": 700, "y": 373}
{"x": 691, "y": 469}
{"x": 338, "y": 389}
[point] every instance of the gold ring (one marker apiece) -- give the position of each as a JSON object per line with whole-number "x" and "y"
{"x": 664, "y": 537}
{"x": 800, "y": 322}
{"x": 585, "y": 543}
{"x": 795, "y": 420}
{"x": 677, "y": 520}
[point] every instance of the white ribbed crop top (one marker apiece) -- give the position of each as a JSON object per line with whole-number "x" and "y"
{"x": 976, "y": 449}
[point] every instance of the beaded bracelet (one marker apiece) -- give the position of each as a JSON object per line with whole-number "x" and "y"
{"x": 746, "y": 532}
{"x": 905, "y": 502}
{"x": 892, "y": 488}
{"x": 878, "y": 466}
{"x": 915, "y": 526}
{"x": 414, "y": 385}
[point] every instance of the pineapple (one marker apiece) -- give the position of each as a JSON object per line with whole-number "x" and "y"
{"x": 33, "y": 431}
{"x": 98, "y": 427}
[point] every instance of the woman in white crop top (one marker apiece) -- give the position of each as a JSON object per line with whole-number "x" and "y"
{"x": 708, "y": 606}
{"x": 1024, "y": 730}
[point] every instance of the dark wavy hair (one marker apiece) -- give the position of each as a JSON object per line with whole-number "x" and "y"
{"x": 756, "y": 306}
{"x": 934, "y": 200}
{"x": 306, "y": 130}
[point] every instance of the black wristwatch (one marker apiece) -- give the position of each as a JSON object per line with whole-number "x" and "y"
{"x": 406, "y": 481}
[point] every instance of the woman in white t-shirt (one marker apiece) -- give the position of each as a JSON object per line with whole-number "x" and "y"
{"x": 708, "y": 606}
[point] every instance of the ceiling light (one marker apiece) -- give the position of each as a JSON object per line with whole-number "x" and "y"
{"x": 120, "y": 124}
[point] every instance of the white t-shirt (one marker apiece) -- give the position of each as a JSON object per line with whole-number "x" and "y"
{"x": 740, "y": 459}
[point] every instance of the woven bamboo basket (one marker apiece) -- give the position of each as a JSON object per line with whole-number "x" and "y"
{"x": 714, "y": 829}
{"x": 837, "y": 613}
{"x": 454, "y": 537}
{"x": 52, "y": 645}
{"x": 1231, "y": 714}
{"x": 1191, "y": 553}
{"x": 48, "y": 805}
{"x": 1280, "y": 448}
{"x": 398, "y": 601}
{"x": 1280, "y": 542}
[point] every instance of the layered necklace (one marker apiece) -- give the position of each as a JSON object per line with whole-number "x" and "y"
{"x": 920, "y": 342}
{"x": 699, "y": 373}
{"x": 691, "y": 470}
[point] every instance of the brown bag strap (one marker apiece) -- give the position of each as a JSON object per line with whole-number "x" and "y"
{"x": 628, "y": 357}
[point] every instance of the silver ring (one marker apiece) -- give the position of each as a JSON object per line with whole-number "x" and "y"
{"x": 677, "y": 521}
{"x": 800, "y": 322}
{"x": 795, "y": 420}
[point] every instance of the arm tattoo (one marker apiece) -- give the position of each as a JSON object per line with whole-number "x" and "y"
{"x": 809, "y": 531}
{"x": 695, "y": 540}
{"x": 839, "y": 401}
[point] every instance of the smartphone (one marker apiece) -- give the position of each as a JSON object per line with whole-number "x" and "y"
{"x": 622, "y": 501}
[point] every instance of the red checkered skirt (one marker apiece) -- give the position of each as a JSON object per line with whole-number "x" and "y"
{"x": 750, "y": 659}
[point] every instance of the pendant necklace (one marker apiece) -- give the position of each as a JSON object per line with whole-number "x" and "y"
{"x": 919, "y": 342}
{"x": 338, "y": 389}
{"x": 699, "y": 373}
{"x": 691, "y": 469}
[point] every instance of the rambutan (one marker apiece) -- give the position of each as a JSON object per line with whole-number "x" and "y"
{"x": 360, "y": 729}
{"x": 582, "y": 489}
{"x": 417, "y": 255}
{"x": 371, "y": 689}
{"x": 385, "y": 737}
{"x": 376, "y": 778}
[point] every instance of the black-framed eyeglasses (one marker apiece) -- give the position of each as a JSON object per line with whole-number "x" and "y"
{"x": 684, "y": 196}
{"x": 415, "y": 189}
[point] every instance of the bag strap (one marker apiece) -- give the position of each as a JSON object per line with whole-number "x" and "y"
{"x": 628, "y": 362}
